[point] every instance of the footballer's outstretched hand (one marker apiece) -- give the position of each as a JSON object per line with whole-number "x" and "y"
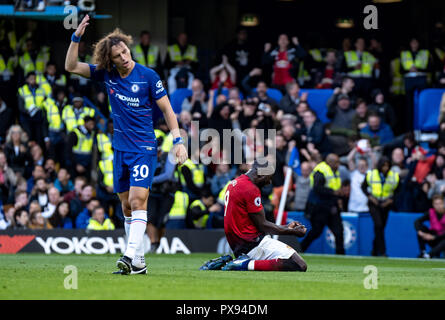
{"x": 180, "y": 153}
{"x": 82, "y": 26}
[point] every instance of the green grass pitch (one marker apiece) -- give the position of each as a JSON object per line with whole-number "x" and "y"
{"x": 39, "y": 276}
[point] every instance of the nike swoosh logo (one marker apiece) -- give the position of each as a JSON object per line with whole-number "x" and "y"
{"x": 139, "y": 179}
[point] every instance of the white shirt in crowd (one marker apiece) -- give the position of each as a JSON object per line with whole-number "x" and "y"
{"x": 358, "y": 202}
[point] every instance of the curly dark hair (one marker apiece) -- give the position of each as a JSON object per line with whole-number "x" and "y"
{"x": 102, "y": 49}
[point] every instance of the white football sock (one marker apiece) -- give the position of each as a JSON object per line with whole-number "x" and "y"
{"x": 127, "y": 224}
{"x": 138, "y": 226}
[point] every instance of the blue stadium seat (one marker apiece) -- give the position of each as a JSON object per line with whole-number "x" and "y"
{"x": 317, "y": 99}
{"x": 275, "y": 94}
{"x": 177, "y": 98}
{"x": 426, "y": 109}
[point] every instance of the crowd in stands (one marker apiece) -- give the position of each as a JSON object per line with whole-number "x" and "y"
{"x": 56, "y": 128}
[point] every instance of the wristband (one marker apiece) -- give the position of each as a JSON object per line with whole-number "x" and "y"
{"x": 75, "y": 38}
{"x": 178, "y": 140}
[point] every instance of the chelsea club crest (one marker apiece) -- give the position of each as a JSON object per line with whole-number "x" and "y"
{"x": 135, "y": 88}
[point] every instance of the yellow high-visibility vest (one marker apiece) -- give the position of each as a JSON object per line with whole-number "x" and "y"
{"x": 368, "y": 61}
{"x": 421, "y": 61}
{"x": 333, "y": 180}
{"x": 197, "y": 171}
{"x": 222, "y": 193}
{"x": 69, "y": 117}
{"x": 104, "y": 146}
{"x": 53, "y": 115}
{"x": 84, "y": 144}
{"x": 28, "y": 65}
{"x": 440, "y": 54}
{"x": 95, "y": 225}
{"x": 397, "y": 85}
{"x": 175, "y": 53}
{"x": 167, "y": 143}
{"x": 303, "y": 74}
{"x": 106, "y": 167}
{"x": 201, "y": 222}
{"x": 32, "y": 101}
{"x": 9, "y": 65}
{"x": 44, "y": 84}
{"x": 159, "y": 134}
{"x": 316, "y": 55}
{"x": 180, "y": 205}
{"x": 379, "y": 190}
{"x": 152, "y": 55}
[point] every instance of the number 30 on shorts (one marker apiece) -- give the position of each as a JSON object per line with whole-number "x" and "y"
{"x": 141, "y": 171}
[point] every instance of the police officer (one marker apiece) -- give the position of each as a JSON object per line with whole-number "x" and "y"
{"x": 380, "y": 186}
{"x": 323, "y": 207}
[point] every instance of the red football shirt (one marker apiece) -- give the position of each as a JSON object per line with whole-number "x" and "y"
{"x": 281, "y": 68}
{"x": 242, "y": 197}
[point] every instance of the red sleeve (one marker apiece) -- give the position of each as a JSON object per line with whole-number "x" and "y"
{"x": 253, "y": 200}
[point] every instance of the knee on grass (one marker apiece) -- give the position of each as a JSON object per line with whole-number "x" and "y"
{"x": 295, "y": 264}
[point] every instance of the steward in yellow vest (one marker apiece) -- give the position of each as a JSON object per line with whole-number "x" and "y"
{"x": 323, "y": 206}
{"x": 180, "y": 206}
{"x": 106, "y": 174}
{"x": 198, "y": 214}
{"x": 415, "y": 62}
{"x": 146, "y": 53}
{"x": 380, "y": 186}
{"x": 181, "y": 54}
{"x": 34, "y": 59}
{"x": 30, "y": 103}
{"x": 7, "y": 66}
{"x": 397, "y": 84}
{"x": 104, "y": 146}
{"x": 99, "y": 221}
{"x": 53, "y": 116}
{"x": 31, "y": 96}
{"x": 191, "y": 177}
{"x": 360, "y": 66}
{"x": 80, "y": 148}
{"x": 73, "y": 115}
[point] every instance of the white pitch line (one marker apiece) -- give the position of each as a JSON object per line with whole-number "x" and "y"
{"x": 371, "y": 257}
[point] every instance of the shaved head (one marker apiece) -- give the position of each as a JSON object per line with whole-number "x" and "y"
{"x": 333, "y": 161}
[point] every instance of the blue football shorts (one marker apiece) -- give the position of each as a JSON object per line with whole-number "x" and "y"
{"x": 132, "y": 169}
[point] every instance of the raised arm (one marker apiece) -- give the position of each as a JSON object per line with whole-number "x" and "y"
{"x": 172, "y": 123}
{"x": 72, "y": 63}
{"x": 293, "y": 228}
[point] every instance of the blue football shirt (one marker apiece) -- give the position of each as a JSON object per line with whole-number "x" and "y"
{"x": 132, "y": 100}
